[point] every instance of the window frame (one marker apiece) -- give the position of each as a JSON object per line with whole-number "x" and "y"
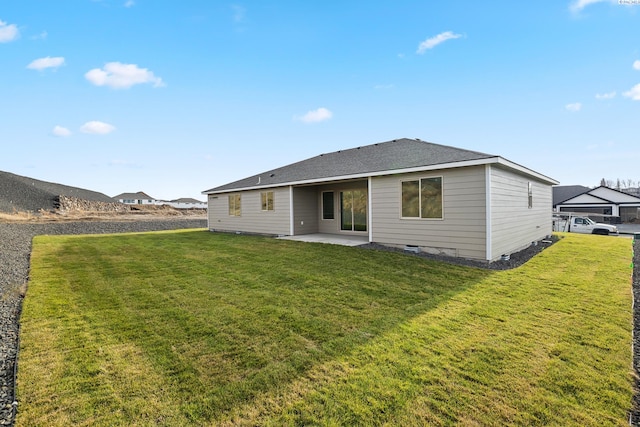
{"x": 235, "y": 205}
{"x": 265, "y": 197}
{"x": 420, "y": 197}
{"x": 333, "y": 205}
{"x": 530, "y": 194}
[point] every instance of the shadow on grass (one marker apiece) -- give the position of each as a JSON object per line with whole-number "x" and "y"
{"x": 215, "y": 320}
{"x": 196, "y": 328}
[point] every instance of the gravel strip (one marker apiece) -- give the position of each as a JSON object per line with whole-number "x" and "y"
{"x": 516, "y": 259}
{"x": 15, "y": 248}
{"x": 634, "y": 418}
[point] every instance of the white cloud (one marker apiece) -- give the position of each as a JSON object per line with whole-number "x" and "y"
{"x": 636, "y": 65}
{"x": 60, "y": 131}
{"x": 573, "y": 107}
{"x": 609, "y": 95}
{"x": 8, "y": 32}
{"x": 47, "y": 62}
{"x": 122, "y": 76}
{"x": 634, "y": 93}
{"x": 239, "y": 13}
{"x": 315, "y": 116}
{"x": 578, "y": 5}
{"x": 436, "y": 40}
{"x": 129, "y": 3}
{"x": 98, "y": 128}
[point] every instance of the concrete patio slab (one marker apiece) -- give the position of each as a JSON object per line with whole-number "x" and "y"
{"x": 333, "y": 239}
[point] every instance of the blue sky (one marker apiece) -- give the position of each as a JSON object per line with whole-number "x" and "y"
{"x": 176, "y": 97}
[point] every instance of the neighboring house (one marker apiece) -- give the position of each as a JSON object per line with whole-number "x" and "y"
{"x": 600, "y": 200}
{"x": 401, "y": 193}
{"x": 138, "y": 198}
{"x": 141, "y": 198}
{"x": 566, "y": 192}
{"x": 185, "y": 203}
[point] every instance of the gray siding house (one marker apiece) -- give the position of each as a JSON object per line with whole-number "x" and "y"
{"x": 403, "y": 192}
{"x": 613, "y": 205}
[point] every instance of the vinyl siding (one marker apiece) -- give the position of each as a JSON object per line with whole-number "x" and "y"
{"x": 514, "y": 225}
{"x": 462, "y": 230}
{"x": 252, "y": 219}
{"x": 305, "y": 210}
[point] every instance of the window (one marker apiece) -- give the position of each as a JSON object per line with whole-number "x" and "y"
{"x": 353, "y": 210}
{"x": 234, "y": 205}
{"x": 422, "y": 198}
{"x": 327, "y": 205}
{"x": 530, "y": 195}
{"x": 267, "y": 200}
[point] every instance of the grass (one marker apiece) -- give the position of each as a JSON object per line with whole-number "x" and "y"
{"x": 196, "y": 328}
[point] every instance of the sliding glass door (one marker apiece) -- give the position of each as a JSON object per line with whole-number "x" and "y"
{"x": 353, "y": 210}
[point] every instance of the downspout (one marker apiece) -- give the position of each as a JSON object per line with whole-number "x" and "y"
{"x": 291, "y": 210}
{"x": 370, "y": 209}
{"x": 487, "y": 191}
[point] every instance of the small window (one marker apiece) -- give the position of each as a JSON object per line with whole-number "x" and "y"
{"x": 422, "y": 198}
{"x": 327, "y": 205}
{"x": 234, "y": 205}
{"x": 267, "y": 200}
{"x": 530, "y": 195}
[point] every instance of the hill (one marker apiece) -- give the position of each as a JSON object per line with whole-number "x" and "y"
{"x": 21, "y": 193}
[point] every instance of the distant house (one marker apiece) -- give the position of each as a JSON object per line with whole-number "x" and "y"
{"x": 601, "y": 200}
{"x": 403, "y": 193}
{"x": 138, "y": 198}
{"x": 185, "y": 203}
{"x": 141, "y": 198}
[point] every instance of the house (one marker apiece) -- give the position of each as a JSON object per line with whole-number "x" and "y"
{"x": 138, "y": 198}
{"x": 402, "y": 193}
{"x": 614, "y": 205}
{"x": 141, "y": 198}
{"x": 185, "y": 203}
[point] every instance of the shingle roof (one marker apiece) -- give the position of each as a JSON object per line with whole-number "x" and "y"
{"x": 566, "y": 192}
{"x": 186, "y": 200}
{"x": 137, "y": 196}
{"x": 384, "y": 156}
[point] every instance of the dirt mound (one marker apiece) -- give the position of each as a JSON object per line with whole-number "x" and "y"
{"x": 23, "y": 194}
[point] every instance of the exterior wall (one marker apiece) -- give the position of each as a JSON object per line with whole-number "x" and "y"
{"x": 252, "y": 218}
{"x": 461, "y": 232}
{"x": 514, "y": 225}
{"x": 332, "y": 226}
{"x": 305, "y": 210}
{"x": 137, "y": 201}
{"x": 185, "y": 205}
{"x": 602, "y": 208}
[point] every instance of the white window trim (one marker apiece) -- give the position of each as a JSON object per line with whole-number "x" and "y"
{"x": 322, "y": 218}
{"x": 273, "y": 201}
{"x": 240, "y": 198}
{"x": 419, "y": 218}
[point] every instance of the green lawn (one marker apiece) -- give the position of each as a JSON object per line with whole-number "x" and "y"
{"x": 197, "y": 328}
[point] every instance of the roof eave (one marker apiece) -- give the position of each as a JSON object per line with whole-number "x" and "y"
{"x": 451, "y": 165}
{"x": 527, "y": 171}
